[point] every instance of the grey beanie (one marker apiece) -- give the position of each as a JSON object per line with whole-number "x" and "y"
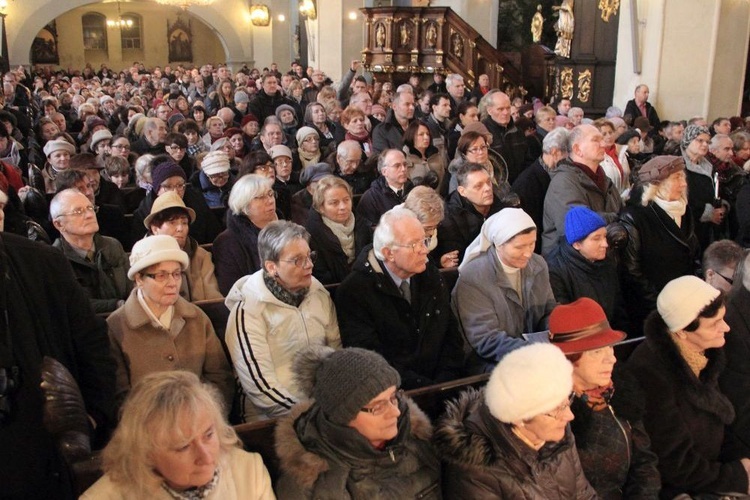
{"x": 691, "y": 132}
{"x": 343, "y": 381}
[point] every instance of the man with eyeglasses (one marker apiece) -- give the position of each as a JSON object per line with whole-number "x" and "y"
{"x": 388, "y": 190}
{"x": 152, "y": 138}
{"x": 346, "y": 162}
{"x": 394, "y": 302}
{"x": 167, "y": 176}
{"x": 99, "y": 262}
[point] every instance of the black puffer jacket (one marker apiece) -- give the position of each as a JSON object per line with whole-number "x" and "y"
{"x": 235, "y": 251}
{"x": 461, "y": 224}
{"x": 685, "y": 416}
{"x": 322, "y": 460}
{"x": 614, "y": 448}
{"x": 483, "y": 459}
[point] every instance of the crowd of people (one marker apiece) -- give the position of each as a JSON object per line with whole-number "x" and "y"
{"x": 370, "y": 238}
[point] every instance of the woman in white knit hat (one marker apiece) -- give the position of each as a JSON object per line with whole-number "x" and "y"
{"x": 157, "y": 330}
{"x": 512, "y": 439}
{"x": 678, "y": 366}
{"x": 58, "y": 153}
{"x": 215, "y": 178}
{"x": 503, "y": 297}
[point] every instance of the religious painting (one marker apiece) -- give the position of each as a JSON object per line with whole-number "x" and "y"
{"x": 44, "y": 47}
{"x": 180, "y": 37}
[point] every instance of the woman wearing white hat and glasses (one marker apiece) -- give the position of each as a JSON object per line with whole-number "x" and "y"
{"x": 58, "y": 153}
{"x": 678, "y": 366}
{"x": 157, "y": 330}
{"x": 503, "y": 294}
{"x": 512, "y": 439}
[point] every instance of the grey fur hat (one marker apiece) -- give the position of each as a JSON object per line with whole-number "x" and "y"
{"x": 343, "y": 381}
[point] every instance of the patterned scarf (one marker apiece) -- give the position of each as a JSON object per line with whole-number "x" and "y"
{"x": 197, "y": 493}
{"x": 598, "y": 398}
{"x": 281, "y": 293}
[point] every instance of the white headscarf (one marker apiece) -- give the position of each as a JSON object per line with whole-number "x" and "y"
{"x": 496, "y": 230}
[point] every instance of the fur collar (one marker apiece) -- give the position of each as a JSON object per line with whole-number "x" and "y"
{"x": 701, "y": 392}
{"x": 305, "y": 466}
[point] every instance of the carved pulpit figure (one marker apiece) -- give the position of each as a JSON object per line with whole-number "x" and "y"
{"x": 537, "y": 24}
{"x": 564, "y": 28}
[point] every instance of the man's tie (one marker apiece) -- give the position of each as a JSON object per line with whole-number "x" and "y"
{"x": 405, "y": 291}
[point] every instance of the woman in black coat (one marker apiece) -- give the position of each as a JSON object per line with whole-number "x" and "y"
{"x": 252, "y": 206}
{"x": 678, "y": 367}
{"x": 335, "y": 234}
{"x": 661, "y": 244}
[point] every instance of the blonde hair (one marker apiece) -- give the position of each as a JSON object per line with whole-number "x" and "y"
{"x": 149, "y": 415}
{"x": 323, "y": 185}
{"x": 426, "y": 204}
{"x": 651, "y": 191}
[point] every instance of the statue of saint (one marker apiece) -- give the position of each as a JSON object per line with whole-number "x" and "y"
{"x": 431, "y": 36}
{"x": 405, "y": 35}
{"x": 380, "y": 36}
{"x": 537, "y": 23}
{"x": 564, "y": 28}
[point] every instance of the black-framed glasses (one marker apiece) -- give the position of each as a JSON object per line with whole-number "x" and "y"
{"x": 381, "y": 407}
{"x": 302, "y": 260}
{"x": 416, "y": 245}
{"x": 557, "y": 412}
{"x": 79, "y": 212}
{"x": 728, "y": 280}
{"x": 163, "y": 276}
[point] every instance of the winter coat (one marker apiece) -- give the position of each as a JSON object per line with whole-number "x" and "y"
{"x": 264, "y": 334}
{"x": 483, "y": 459}
{"x": 387, "y": 135}
{"x": 378, "y": 200}
{"x": 685, "y": 416}
{"x": 492, "y": 315}
{"x": 214, "y": 196}
{"x": 201, "y": 281}
{"x": 510, "y": 143}
{"x": 613, "y": 445}
{"x": 435, "y": 164}
{"x": 701, "y": 193}
{"x": 244, "y": 477}
{"x": 531, "y": 187}
{"x": 322, "y": 460}
{"x": 105, "y": 280}
{"x": 235, "y": 251}
{"x": 362, "y": 177}
{"x": 657, "y": 252}
{"x": 735, "y": 378}
{"x": 573, "y": 276}
{"x": 141, "y": 348}
{"x": 420, "y": 339}
{"x": 332, "y": 265}
{"x": 264, "y": 105}
{"x": 49, "y": 315}
{"x": 462, "y": 224}
{"x": 204, "y": 229}
{"x": 571, "y": 186}
{"x": 632, "y": 111}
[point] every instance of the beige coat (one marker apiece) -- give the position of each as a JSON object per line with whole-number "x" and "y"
{"x": 246, "y": 478}
{"x": 201, "y": 277}
{"x": 140, "y": 348}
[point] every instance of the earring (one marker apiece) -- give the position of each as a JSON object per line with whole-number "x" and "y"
{"x": 276, "y": 274}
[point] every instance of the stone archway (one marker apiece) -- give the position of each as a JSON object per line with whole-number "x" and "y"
{"x": 224, "y": 18}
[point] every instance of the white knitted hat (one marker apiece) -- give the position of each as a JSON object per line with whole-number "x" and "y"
{"x": 527, "y": 382}
{"x": 215, "y": 162}
{"x": 153, "y": 250}
{"x": 682, "y": 299}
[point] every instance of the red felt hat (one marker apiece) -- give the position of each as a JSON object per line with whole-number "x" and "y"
{"x": 581, "y": 326}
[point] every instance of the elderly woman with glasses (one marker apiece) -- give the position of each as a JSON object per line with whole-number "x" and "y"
{"x": 512, "y": 438}
{"x": 252, "y": 206}
{"x": 357, "y": 436}
{"x": 157, "y": 330}
{"x": 613, "y": 445}
{"x": 166, "y": 176}
{"x": 99, "y": 262}
{"x": 58, "y": 152}
{"x": 503, "y": 296}
{"x": 173, "y": 442}
{"x": 275, "y": 312}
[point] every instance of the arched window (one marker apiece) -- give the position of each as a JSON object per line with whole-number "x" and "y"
{"x": 131, "y": 35}
{"x": 94, "y": 31}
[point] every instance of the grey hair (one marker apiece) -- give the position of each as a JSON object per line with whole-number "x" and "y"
{"x": 276, "y": 236}
{"x": 384, "y": 236}
{"x": 143, "y": 165}
{"x": 58, "y": 203}
{"x": 613, "y": 111}
{"x": 576, "y": 109}
{"x": 405, "y": 87}
{"x": 345, "y": 147}
{"x": 453, "y": 78}
{"x": 556, "y": 139}
{"x": 426, "y": 204}
{"x": 383, "y": 154}
{"x": 484, "y": 102}
{"x": 151, "y": 124}
{"x": 716, "y": 139}
{"x": 245, "y": 189}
